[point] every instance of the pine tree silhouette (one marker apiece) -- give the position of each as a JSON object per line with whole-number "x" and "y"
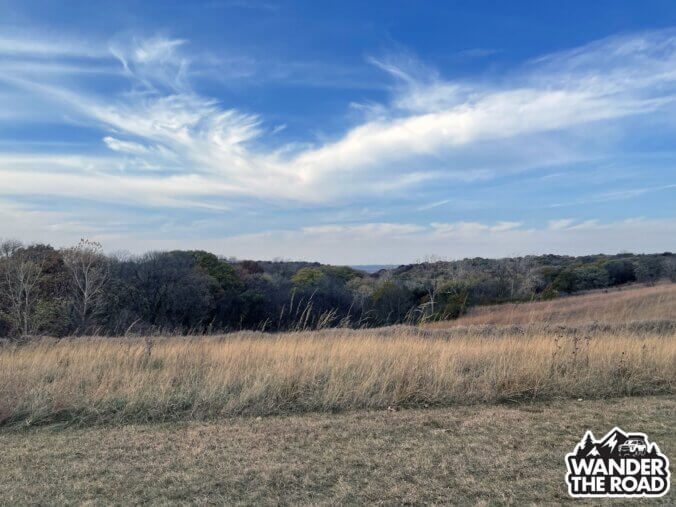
{"x": 587, "y": 445}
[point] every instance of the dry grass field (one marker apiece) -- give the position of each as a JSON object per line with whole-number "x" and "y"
{"x": 105, "y": 380}
{"x": 483, "y": 454}
{"x": 613, "y": 306}
{"x": 476, "y": 413}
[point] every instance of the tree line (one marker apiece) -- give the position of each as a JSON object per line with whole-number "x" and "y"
{"x": 80, "y": 290}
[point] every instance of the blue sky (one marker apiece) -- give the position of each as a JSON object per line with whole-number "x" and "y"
{"x": 344, "y": 132}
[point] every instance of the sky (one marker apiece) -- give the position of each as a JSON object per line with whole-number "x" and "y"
{"x": 379, "y": 132}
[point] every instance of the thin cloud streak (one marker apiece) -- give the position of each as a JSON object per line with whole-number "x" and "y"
{"x": 33, "y": 45}
{"x": 404, "y": 243}
{"x": 377, "y": 242}
{"x": 617, "y": 195}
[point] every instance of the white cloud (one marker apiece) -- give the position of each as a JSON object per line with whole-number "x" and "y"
{"x": 585, "y": 225}
{"x": 125, "y": 146}
{"x": 169, "y": 146}
{"x": 33, "y": 44}
{"x": 371, "y": 229}
{"x": 433, "y": 205}
{"x": 376, "y": 242}
{"x": 407, "y": 242}
{"x": 157, "y": 49}
{"x": 21, "y": 222}
{"x": 427, "y": 122}
{"x": 472, "y": 228}
{"x": 615, "y": 195}
{"x": 506, "y": 226}
{"x": 563, "y": 223}
{"x": 396, "y": 243}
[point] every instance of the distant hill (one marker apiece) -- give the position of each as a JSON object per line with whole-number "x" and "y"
{"x": 373, "y": 268}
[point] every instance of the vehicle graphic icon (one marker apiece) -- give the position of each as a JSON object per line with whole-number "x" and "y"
{"x": 633, "y": 447}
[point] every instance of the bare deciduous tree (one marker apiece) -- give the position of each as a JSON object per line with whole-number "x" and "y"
{"x": 8, "y": 248}
{"x": 431, "y": 285}
{"x": 88, "y": 267}
{"x": 19, "y": 286}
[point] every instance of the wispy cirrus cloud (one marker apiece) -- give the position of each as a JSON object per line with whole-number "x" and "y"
{"x": 426, "y": 122}
{"x": 163, "y": 143}
{"x": 616, "y": 195}
{"x": 32, "y": 44}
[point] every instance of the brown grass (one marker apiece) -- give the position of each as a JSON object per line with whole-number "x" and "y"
{"x": 477, "y": 455}
{"x": 612, "y": 306}
{"x": 103, "y": 380}
{"x": 461, "y": 454}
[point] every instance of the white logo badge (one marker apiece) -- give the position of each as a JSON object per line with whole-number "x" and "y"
{"x": 619, "y": 465}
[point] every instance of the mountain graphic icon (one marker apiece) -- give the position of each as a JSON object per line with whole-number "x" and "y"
{"x": 615, "y": 445}
{"x": 611, "y": 442}
{"x": 594, "y": 452}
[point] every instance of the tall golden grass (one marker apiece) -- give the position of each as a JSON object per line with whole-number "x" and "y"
{"x": 96, "y": 380}
{"x": 613, "y": 306}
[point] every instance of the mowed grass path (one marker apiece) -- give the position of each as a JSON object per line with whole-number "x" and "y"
{"x": 481, "y": 454}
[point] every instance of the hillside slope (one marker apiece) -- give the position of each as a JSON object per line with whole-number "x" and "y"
{"x": 611, "y": 306}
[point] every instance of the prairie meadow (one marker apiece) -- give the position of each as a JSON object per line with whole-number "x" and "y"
{"x": 98, "y": 380}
